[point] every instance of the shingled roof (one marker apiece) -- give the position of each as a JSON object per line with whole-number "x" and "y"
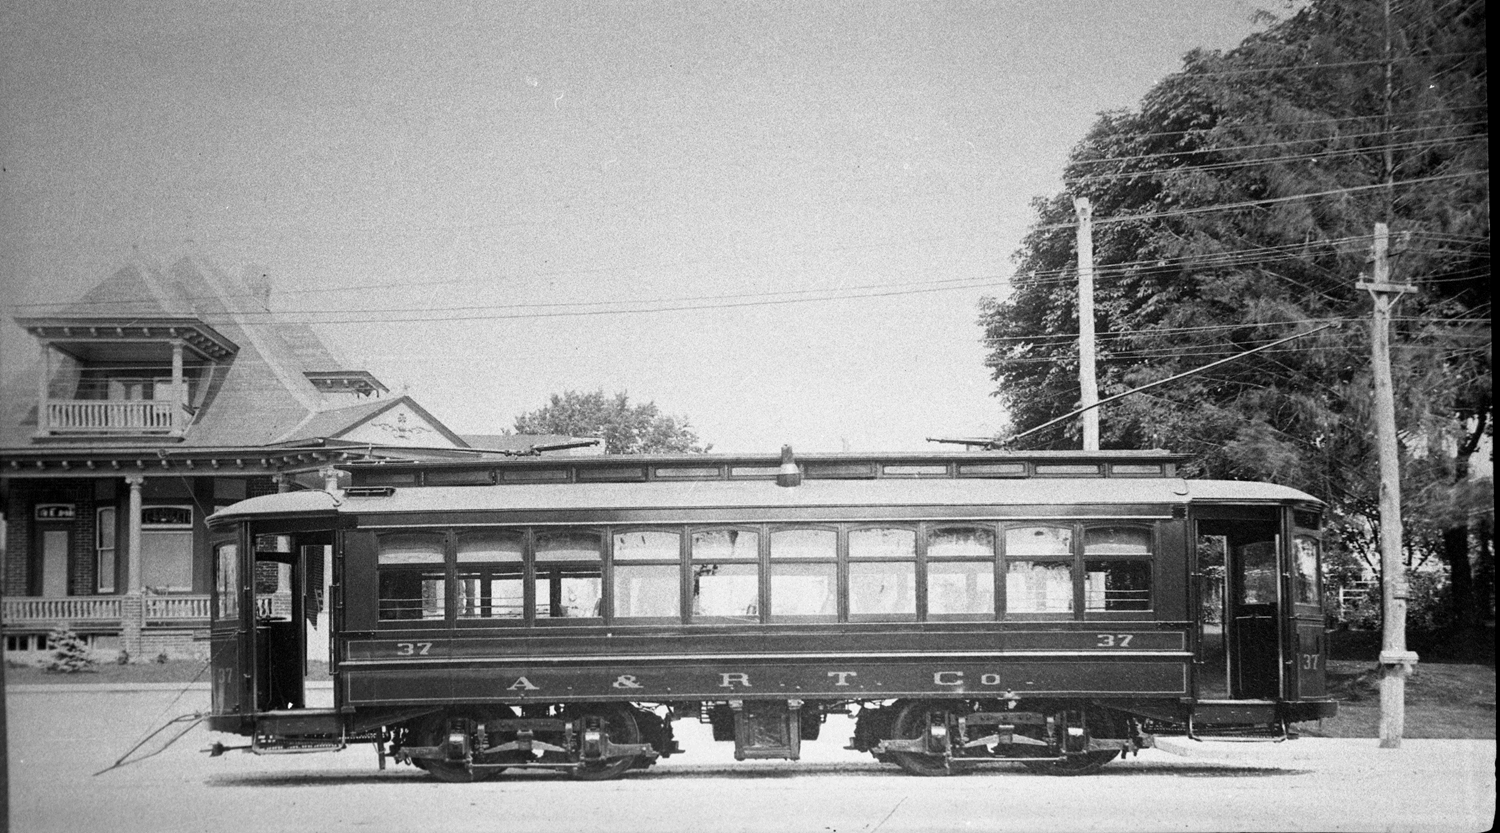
{"x": 258, "y": 396}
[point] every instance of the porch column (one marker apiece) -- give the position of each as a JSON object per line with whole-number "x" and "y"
{"x": 43, "y": 383}
{"x": 330, "y": 477}
{"x": 283, "y": 482}
{"x": 133, "y": 536}
{"x": 179, "y": 394}
{"x": 133, "y": 607}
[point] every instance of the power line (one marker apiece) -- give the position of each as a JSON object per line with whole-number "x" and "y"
{"x": 1183, "y": 212}
{"x": 1276, "y": 144}
{"x": 1272, "y": 160}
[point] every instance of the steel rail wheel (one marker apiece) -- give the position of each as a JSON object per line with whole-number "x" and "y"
{"x": 433, "y": 731}
{"x": 620, "y": 727}
{"x": 913, "y": 722}
{"x": 1085, "y": 763}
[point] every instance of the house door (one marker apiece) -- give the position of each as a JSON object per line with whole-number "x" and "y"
{"x": 56, "y": 543}
{"x": 1239, "y": 599}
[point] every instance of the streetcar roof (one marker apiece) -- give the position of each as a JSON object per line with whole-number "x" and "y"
{"x": 582, "y": 497}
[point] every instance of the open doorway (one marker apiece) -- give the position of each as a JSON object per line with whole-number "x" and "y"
{"x": 1239, "y": 600}
{"x": 290, "y": 586}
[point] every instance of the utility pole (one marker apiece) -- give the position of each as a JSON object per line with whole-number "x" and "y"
{"x": 1395, "y": 661}
{"x": 1087, "y": 382}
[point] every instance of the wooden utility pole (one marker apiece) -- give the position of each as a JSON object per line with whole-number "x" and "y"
{"x": 1087, "y": 382}
{"x": 1395, "y": 661}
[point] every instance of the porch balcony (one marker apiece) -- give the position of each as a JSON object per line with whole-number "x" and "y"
{"x": 128, "y": 417}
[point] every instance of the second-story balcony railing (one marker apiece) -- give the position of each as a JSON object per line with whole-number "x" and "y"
{"x": 115, "y": 416}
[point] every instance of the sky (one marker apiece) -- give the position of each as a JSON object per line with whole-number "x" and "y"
{"x": 773, "y": 219}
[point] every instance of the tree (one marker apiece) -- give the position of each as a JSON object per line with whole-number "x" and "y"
{"x": 626, "y": 428}
{"x": 1299, "y": 109}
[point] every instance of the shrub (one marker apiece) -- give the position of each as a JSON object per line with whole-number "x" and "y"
{"x": 70, "y": 654}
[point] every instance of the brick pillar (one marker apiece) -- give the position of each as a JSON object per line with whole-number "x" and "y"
{"x": 132, "y": 625}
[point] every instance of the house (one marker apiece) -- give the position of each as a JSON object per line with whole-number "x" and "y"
{"x": 159, "y": 396}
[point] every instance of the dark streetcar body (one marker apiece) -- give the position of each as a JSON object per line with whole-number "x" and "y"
{"x": 1055, "y": 609}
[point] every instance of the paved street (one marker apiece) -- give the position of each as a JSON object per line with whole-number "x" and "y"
{"x": 59, "y": 739}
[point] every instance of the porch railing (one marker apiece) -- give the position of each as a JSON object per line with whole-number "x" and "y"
{"x": 176, "y": 608}
{"x": 121, "y": 416}
{"x": 31, "y": 610}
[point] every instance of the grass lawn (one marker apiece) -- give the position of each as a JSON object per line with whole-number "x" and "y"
{"x": 1443, "y": 700}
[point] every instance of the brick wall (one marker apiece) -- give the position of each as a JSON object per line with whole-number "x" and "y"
{"x": 17, "y": 574}
{"x": 21, "y": 533}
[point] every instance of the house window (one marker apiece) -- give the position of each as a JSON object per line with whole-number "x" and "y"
{"x": 104, "y": 545}
{"x": 167, "y": 548}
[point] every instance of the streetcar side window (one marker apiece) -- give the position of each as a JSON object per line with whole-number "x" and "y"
{"x": 726, "y": 574}
{"x": 646, "y": 569}
{"x": 569, "y": 574}
{"x": 1117, "y": 568}
{"x": 490, "y": 576}
{"x": 412, "y": 576}
{"x": 804, "y": 573}
{"x": 960, "y": 571}
{"x": 883, "y": 573}
{"x": 1039, "y": 569}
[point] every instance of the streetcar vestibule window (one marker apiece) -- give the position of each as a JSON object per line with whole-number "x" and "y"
{"x": 413, "y": 582}
{"x": 646, "y": 570}
{"x": 960, "y": 571}
{"x": 226, "y": 582}
{"x": 1039, "y": 569}
{"x": 569, "y": 575}
{"x": 1305, "y": 570}
{"x": 726, "y": 574}
{"x": 883, "y": 572}
{"x": 490, "y": 579}
{"x": 804, "y": 573}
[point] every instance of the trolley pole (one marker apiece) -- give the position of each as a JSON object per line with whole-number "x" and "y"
{"x": 1395, "y": 661}
{"x": 1087, "y": 382}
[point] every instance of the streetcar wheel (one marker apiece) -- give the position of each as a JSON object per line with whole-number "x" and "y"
{"x": 619, "y": 727}
{"x": 433, "y": 731}
{"x": 911, "y": 723}
{"x": 1087, "y": 763}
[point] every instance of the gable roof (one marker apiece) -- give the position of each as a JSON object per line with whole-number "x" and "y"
{"x": 258, "y": 396}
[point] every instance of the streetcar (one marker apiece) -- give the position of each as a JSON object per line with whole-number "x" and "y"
{"x": 1053, "y": 609}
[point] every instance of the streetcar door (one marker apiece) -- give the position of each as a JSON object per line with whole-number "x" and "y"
{"x": 1240, "y": 606}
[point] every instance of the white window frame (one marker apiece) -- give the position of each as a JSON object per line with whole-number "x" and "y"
{"x": 183, "y": 528}
{"x": 104, "y": 580}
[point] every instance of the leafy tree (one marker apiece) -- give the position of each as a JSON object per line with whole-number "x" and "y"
{"x": 1207, "y": 245}
{"x": 626, "y": 428}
